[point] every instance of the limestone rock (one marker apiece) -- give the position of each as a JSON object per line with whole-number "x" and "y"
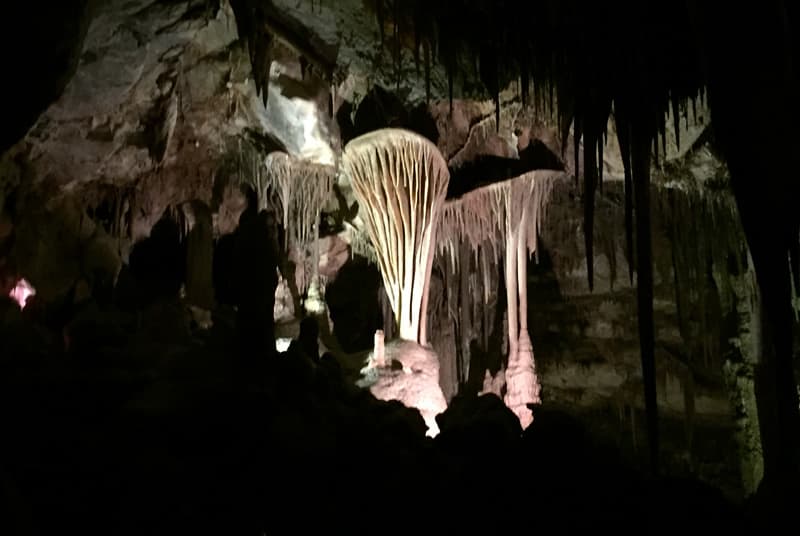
{"x": 412, "y": 377}
{"x": 284, "y": 303}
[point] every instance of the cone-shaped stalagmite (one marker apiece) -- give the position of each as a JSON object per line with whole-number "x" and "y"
{"x": 199, "y": 258}
{"x": 400, "y": 180}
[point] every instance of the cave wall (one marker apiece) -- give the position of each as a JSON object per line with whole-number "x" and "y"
{"x": 162, "y": 110}
{"x": 586, "y": 341}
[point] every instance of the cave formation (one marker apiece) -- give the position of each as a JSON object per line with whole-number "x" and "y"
{"x": 401, "y": 180}
{"x": 503, "y": 218}
{"x": 211, "y": 209}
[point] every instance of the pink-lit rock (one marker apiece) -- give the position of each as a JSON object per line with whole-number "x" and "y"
{"x": 523, "y": 386}
{"x": 515, "y": 209}
{"x": 21, "y": 292}
{"x": 416, "y": 384}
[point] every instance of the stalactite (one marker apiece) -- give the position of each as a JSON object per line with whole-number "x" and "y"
{"x": 450, "y": 87}
{"x": 640, "y": 160}
{"x": 676, "y": 119}
{"x": 478, "y": 217}
{"x": 116, "y": 224}
{"x": 600, "y": 164}
{"x": 261, "y": 61}
{"x": 298, "y": 190}
{"x": 397, "y": 55}
{"x": 465, "y": 308}
{"x": 419, "y": 28}
{"x": 611, "y": 254}
{"x": 441, "y": 312}
{"x": 678, "y": 280}
{"x": 496, "y": 92}
{"x": 450, "y": 273}
{"x": 417, "y": 42}
{"x": 654, "y": 144}
{"x": 303, "y": 67}
{"x": 589, "y": 188}
{"x": 623, "y": 136}
{"x": 360, "y": 245}
{"x": 497, "y": 110}
{"x": 487, "y": 286}
{"x": 524, "y": 86}
{"x": 794, "y": 258}
{"x": 381, "y": 20}
{"x": 427, "y": 53}
{"x": 576, "y": 142}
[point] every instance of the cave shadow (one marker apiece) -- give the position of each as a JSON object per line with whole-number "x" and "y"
{"x": 544, "y": 294}
{"x": 156, "y": 268}
{"x": 383, "y": 109}
{"x": 473, "y": 174}
{"x": 491, "y": 358}
{"x": 211, "y": 459}
{"x": 223, "y": 270}
{"x": 354, "y": 304}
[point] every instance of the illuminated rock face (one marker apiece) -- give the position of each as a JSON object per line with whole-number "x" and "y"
{"x": 522, "y": 384}
{"x": 411, "y": 375}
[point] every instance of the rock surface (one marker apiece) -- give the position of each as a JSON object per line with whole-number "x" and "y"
{"x": 162, "y": 110}
{"x": 411, "y": 376}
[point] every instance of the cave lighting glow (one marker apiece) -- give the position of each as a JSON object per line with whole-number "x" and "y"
{"x": 282, "y": 344}
{"x": 21, "y": 292}
{"x": 314, "y": 147}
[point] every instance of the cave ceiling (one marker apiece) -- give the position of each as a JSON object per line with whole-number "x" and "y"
{"x": 157, "y": 82}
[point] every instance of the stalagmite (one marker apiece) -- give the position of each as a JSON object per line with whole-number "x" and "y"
{"x": 379, "y": 350}
{"x": 199, "y": 258}
{"x": 523, "y": 384}
{"x": 400, "y": 180}
{"x": 315, "y": 300}
{"x": 465, "y": 299}
{"x": 505, "y": 216}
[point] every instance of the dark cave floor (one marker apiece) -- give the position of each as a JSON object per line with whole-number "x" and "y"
{"x": 188, "y": 439}
{"x": 250, "y": 464}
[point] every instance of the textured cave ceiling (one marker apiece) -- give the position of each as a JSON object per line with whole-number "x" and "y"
{"x": 610, "y": 89}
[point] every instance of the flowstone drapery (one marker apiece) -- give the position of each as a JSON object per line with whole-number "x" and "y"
{"x": 298, "y": 190}
{"x": 301, "y": 188}
{"x": 505, "y": 217}
{"x": 400, "y": 181}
